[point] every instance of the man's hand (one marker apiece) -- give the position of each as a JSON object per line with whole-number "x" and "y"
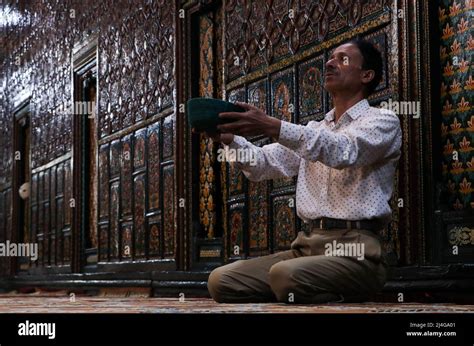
{"x": 252, "y": 122}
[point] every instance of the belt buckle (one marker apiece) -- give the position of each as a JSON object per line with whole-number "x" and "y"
{"x": 321, "y": 223}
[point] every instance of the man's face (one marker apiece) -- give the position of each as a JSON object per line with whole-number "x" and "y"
{"x": 344, "y": 70}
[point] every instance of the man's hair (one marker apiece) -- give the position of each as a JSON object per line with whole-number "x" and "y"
{"x": 372, "y": 61}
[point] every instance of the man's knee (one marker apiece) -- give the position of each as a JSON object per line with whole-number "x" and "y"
{"x": 289, "y": 285}
{"x": 215, "y": 284}
{"x": 282, "y": 282}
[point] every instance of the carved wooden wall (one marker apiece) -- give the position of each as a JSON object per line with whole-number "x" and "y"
{"x": 135, "y": 132}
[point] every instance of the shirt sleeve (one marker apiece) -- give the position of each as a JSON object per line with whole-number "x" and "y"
{"x": 262, "y": 163}
{"x": 370, "y": 139}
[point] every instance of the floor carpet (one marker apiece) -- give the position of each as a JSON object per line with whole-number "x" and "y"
{"x": 64, "y": 303}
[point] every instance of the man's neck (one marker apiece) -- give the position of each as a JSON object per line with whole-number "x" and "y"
{"x": 342, "y": 103}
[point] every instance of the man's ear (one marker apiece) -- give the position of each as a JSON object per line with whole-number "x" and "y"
{"x": 367, "y": 76}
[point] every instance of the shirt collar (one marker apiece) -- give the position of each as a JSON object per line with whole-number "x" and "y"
{"x": 354, "y": 112}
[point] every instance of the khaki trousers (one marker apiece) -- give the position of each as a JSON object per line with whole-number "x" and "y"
{"x": 322, "y": 266}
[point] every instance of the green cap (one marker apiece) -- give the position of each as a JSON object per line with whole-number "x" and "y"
{"x": 203, "y": 113}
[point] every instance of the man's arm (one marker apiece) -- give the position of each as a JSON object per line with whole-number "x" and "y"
{"x": 262, "y": 163}
{"x": 370, "y": 140}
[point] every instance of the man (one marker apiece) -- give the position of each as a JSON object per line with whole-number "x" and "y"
{"x": 345, "y": 165}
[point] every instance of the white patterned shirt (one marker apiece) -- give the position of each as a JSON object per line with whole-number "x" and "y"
{"x": 345, "y": 170}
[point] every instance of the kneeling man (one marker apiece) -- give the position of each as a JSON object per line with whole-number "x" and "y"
{"x": 345, "y": 165}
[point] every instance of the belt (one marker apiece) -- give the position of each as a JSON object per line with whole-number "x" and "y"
{"x": 330, "y": 223}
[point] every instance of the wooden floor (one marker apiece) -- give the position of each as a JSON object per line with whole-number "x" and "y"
{"x": 61, "y": 302}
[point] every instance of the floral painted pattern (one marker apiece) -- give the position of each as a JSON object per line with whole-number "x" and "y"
{"x": 457, "y": 97}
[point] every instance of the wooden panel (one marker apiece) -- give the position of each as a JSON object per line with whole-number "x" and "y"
{"x": 155, "y": 236}
{"x": 40, "y": 241}
{"x": 311, "y": 92}
{"x": 67, "y": 248}
{"x": 139, "y": 214}
{"x": 236, "y": 231}
{"x": 284, "y": 222}
{"x": 41, "y": 187}
{"x": 282, "y": 95}
{"x": 52, "y": 192}
{"x": 168, "y": 130}
{"x": 168, "y": 212}
{"x": 257, "y": 93}
{"x": 104, "y": 181}
{"x": 46, "y": 244}
{"x": 68, "y": 193}
{"x": 46, "y": 185}
{"x": 139, "y": 149}
{"x": 52, "y": 207}
{"x": 235, "y": 179}
{"x": 126, "y": 176}
{"x": 46, "y": 217}
{"x": 258, "y": 217}
{"x": 34, "y": 221}
{"x": 52, "y": 249}
{"x": 154, "y": 169}
{"x": 59, "y": 228}
{"x": 114, "y": 219}
{"x": 206, "y": 56}
{"x": 34, "y": 189}
{"x": 8, "y": 213}
{"x": 61, "y": 203}
{"x": 103, "y": 242}
{"x": 126, "y": 247}
{"x": 34, "y": 208}
{"x": 40, "y": 218}
{"x": 6, "y": 144}
{"x": 115, "y": 155}
{"x": 207, "y": 212}
{"x": 60, "y": 179}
